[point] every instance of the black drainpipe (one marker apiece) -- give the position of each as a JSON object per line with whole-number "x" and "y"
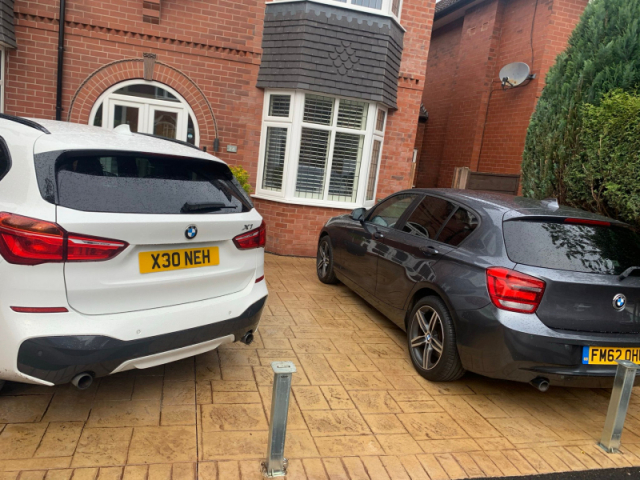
{"x": 60, "y": 59}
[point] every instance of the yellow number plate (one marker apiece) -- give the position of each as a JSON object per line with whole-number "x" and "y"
{"x": 163, "y": 261}
{"x": 609, "y": 355}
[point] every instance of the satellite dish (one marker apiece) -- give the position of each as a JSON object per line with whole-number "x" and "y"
{"x": 514, "y": 74}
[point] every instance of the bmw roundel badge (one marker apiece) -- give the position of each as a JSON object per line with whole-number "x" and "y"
{"x": 191, "y": 232}
{"x": 619, "y": 302}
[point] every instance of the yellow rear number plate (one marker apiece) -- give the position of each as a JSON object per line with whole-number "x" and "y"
{"x": 609, "y": 355}
{"x": 163, "y": 261}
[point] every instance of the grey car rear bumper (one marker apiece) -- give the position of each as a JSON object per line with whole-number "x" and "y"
{"x": 514, "y": 346}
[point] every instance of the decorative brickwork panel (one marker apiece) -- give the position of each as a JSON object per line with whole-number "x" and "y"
{"x": 333, "y": 50}
{"x": 151, "y": 11}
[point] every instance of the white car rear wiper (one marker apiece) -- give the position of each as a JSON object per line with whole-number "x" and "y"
{"x": 627, "y": 272}
{"x": 202, "y": 207}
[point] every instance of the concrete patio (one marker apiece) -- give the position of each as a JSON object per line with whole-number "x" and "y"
{"x": 358, "y": 410}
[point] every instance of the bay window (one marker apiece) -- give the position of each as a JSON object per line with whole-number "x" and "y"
{"x": 320, "y": 150}
{"x": 385, "y": 7}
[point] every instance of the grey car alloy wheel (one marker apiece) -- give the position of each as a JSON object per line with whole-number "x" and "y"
{"x": 427, "y": 338}
{"x": 323, "y": 260}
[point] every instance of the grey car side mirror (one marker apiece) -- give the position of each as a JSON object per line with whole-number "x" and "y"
{"x": 358, "y": 214}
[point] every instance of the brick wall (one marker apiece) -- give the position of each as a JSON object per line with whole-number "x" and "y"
{"x": 510, "y": 110}
{"x": 294, "y": 229}
{"x": 400, "y": 135}
{"x": 214, "y": 47}
{"x": 480, "y": 28}
{"x": 210, "y": 53}
{"x": 462, "y": 86}
{"x": 438, "y": 92}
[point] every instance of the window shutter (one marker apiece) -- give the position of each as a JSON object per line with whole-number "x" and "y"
{"x": 377, "y": 4}
{"x": 345, "y": 167}
{"x": 274, "y": 158}
{"x": 318, "y": 109}
{"x": 373, "y": 169}
{"x": 312, "y": 163}
{"x": 279, "y": 105}
{"x": 352, "y": 115}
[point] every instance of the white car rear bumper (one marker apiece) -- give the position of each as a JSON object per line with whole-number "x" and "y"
{"x": 51, "y": 349}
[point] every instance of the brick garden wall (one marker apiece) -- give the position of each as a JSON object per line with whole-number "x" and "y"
{"x": 294, "y": 229}
{"x": 463, "y": 89}
{"x": 209, "y": 52}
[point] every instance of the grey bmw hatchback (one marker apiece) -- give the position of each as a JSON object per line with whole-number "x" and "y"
{"x": 503, "y": 286}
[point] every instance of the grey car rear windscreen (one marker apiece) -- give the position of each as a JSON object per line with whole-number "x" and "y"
{"x": 578, "y": 248}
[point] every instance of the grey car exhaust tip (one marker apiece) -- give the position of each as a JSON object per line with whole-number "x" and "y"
{"x": 247, "y": 339}
{"x": 82, "y": 381}
{"x": 540, "y": 383}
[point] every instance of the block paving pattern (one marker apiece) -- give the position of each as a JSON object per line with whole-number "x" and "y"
{"x": 358, "y": 409}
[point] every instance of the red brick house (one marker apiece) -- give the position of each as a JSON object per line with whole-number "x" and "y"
{"x": 316, "y": 99}
{"x": 474, "y": 122}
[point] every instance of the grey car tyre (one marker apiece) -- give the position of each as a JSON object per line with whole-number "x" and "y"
{"x": 1, "y": 384}
{"x": 431, "y": 339}
{"x": 324, "y": 262}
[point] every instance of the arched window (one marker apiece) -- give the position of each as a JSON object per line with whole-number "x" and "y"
{"x": 147, "y": 107}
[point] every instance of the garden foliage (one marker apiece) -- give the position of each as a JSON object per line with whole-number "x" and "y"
{"x": 580, "y": 147}
{"x": 242, "y": 176}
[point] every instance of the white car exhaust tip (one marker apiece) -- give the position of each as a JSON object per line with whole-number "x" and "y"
{"x": 82, "y": 381}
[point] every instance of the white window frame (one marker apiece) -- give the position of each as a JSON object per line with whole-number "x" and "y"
{"x": 146, "y": 105}
{"x": 3, "y": 68}
{"x": 386, "y": 9}
{"x": 372, "y": 202}
{"x": 294, "y": 124}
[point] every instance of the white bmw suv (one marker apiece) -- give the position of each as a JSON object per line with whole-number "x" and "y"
{"x": 119, "y": 251}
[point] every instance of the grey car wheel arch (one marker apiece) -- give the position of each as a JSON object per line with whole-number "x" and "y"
{"x": 422, "y": 290}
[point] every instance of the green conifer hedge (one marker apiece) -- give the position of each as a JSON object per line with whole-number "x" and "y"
{"x": 603, "y": 55}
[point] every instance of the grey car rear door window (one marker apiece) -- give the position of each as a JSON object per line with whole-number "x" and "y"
{"x": 429, "y": 217}
{"x": 459, "y": 226}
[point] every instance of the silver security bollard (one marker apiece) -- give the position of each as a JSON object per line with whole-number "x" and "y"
{"x": 276, "y": 465}
{"x": 620, "y": 396}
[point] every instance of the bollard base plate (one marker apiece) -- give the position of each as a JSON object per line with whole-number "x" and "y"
{"x": 273, "y": 474}
{"x": 608, "y": 450}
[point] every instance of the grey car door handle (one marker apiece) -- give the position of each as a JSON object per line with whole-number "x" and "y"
{"x": 429, "y": 250}
{"x": 378, "y": 235}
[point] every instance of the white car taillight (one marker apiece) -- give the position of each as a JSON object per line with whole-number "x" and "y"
{"x": 253, "y": 239}
{"x": 29, "y": 241}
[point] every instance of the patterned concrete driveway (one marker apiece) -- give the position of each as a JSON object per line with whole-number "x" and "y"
{"x": 358, "y": 411}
